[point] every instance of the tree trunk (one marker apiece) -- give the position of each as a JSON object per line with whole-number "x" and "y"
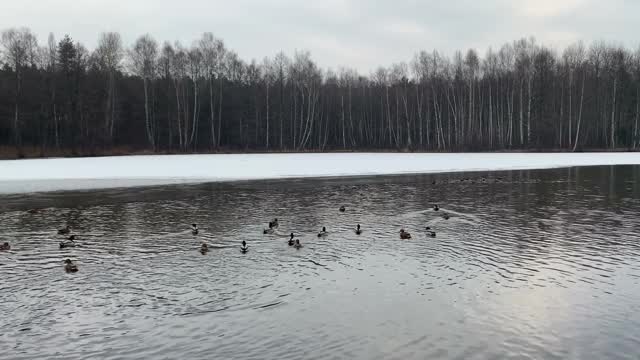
{"x": 529, "y": 111}
{"x": 267, "y": 137}
{"x": 613, "y": 115}
{"x": 521, "y": 112}
{"x": 635, "y": 128}
{"x": 146, "y": 114}
{"x": 194, "y": 121}
{"x": 575, "y": 142}
{"x": 212, "y": 112}
{"x": 219, "y": 115}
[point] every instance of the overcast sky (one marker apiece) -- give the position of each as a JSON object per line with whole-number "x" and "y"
{"x": 359, "y": 33}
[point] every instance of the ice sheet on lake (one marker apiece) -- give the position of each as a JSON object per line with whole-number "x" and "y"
{"x": 22, "y": 176}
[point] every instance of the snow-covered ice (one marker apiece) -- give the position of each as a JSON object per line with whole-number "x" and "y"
{"x": 22, "y": 176}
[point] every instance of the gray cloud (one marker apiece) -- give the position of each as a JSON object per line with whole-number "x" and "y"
{"x": 358, "y": 33}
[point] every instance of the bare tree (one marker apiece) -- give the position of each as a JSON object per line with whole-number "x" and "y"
{"x": 20, "y": 47}
{"x": 110, "y": 54}
{"x": 143, "y": 61}
{"x": 269, "y": 77}
{"x": 194, "y": 71}
{"x": 636, "y": 77}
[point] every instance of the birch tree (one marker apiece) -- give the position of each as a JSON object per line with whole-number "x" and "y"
{"x": 19, "y": 47}
{"x": 110, "y": 55}
{"x": 143, "y": 61}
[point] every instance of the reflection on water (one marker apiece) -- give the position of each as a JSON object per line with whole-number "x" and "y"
{"x": 540, "y": 265}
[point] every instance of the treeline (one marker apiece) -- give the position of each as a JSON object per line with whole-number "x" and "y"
{"x": 169, "y": 97}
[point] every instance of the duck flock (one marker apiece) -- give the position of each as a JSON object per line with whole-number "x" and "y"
{"x": 69, "y": 240}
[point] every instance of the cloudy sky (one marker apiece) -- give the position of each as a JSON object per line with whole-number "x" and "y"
{"x": 358, "y": 33}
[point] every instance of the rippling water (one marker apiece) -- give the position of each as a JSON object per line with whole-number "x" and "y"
{"x": 531, "y": 264}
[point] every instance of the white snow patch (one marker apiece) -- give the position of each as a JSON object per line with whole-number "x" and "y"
{"x": 22, "y": 176}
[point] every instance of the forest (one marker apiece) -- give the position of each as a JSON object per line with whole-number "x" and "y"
{"x": 59, "y": 98}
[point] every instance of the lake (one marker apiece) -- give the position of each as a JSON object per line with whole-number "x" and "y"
{"x": 530, "y": 265}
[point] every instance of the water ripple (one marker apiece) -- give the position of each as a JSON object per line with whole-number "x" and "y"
{"x": 529, "y": 264}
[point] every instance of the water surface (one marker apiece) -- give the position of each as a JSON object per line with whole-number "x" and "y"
{"x": 531, "y": 264}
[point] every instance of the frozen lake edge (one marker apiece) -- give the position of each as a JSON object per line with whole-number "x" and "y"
{"x": 58, "y": 174}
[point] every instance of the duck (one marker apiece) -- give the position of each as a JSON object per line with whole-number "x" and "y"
{"x": 436, "y": 208}
{"x": 274, "y": 223}
{"x": 342, "y": 209}
{"x": 445, "y": 216}
{"x": 297, "y": 245}
{"x": 70, "y": 267}
{"x": 5, "y": 247}
{"x": 244, "y": 248}
{"x": 430, "y": 233}
{"x": 291, "y": 241}
{"x": 204, "y": 248}
{"x": 404, "y": 235}
{"x": 194, "y": 229}
{"x": 268, "y": 231}
{"x": 70, "y": 242}
{"x": 358, "y": 230}
{"x": 428, "y": 228}
{"x": 64, "y": 231}
{"x": 323, "y": 233}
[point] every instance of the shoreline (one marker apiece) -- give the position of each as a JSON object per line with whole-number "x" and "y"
{"x": 8, "y": 153}
{"x": 60, "y": 174}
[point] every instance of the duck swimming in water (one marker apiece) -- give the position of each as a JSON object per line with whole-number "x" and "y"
{"x": 273, "y": 224}
{"x": 342, "y": 209}
{"x": 5, "y": 247}
{"x": 323, "y": 233}
{"x": 431, "y": 233}
{"x": 291, "y": 241}
{"x": 435, "y": 207}
{"x": 404, "y": 235}
{"x": 244, "y": 248}
{"x": 70, "y": 267}
{"x": 70, "y": 242}
{"x": 194, "y": 229}
{"x": 358, "y": 230}
{"x": 204, "y": 248}
{"x": 268, "y": 231}
{"x": 64, "y": 231}
{"x": 297, "y": 245}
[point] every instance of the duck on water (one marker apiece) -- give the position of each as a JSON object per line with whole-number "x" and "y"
{"x": 204, "y": 248}
{"x": 268, "y": 231}
{"x": 64, "y": 231}
{"x": 291, "y": 241}
{"x": 323, "y": 233}
{"x": 69, "y": 242}
{"x": 70, "y": 267}
{"x": 430, "y": 232}
{"x": 244, "y": 248}
{"x": 272, "y": 226}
